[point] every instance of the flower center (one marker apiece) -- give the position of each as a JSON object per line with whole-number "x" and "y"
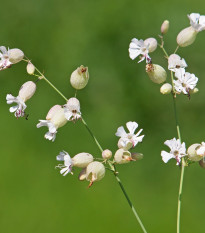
{"x": 176, "y": 153}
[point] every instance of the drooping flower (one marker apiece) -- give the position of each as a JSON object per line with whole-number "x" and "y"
{"x": 175, "y": 62}
{"x": 138, "y": 47}
{"x": 185, "y": 81}
{"x": 128, "y": 140}
{"x": 197, "y": 21}
{"x": 177, "y": 150}
{"x": 72, "y": 109}
{"x": 68, "y": 163}
{"x": 26, "y": 91}
{"x": 9, "y": 57}
{"x": 54, "y": 120}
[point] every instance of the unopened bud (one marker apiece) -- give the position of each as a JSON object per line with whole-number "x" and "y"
{"x": 137, "y": 156}
{"x": 107, "y": 154}
{"x": 166, "y": 88}
{"x": 122, "y": 156}
{"x": 15, "y": 55}
{"x": 152, "y": 43}
{"x": 30, "y": 68}
{"x": 82, "y": 159}
{"x": 202, "y": 163}
{"x": 165, "y": 27}
{"x": 156, "y": 73}
{"x": 95, "y": 171}
{"x": 186, "y": 37}
{"x": 82, "y": 175}
{"x": 79, "y": 78}
{"x": 192, "y": 154}
{"x": 27, "y": 90}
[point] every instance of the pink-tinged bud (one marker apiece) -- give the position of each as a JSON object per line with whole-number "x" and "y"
{"x": 151, "y": 43}
{"x": 30, "y": 68}
{"x": 95, "y": 171}
{"x": 156, "y": 73}
{"x": 202, "y": 163}
{"x": 166, "y": 88}
{"x": 186, "y": 37}
{"x": 15, "y": 55}
{"x": 165, "y": 27}
{"x": 122, "y": 156}
{"x": 82, "y": 159}
{"x": 192, "y": 152}
{"x": 79, "y": 78}
{"x": 107, "y": 154}
{"x": 27, "y": 90}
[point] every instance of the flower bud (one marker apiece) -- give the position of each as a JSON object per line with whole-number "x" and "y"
{"x": 82, "y": 159}
{"x": 152, "y": 43}
{"x": 165, "y": 27}
{"x": 194, "y": 91}
{"x": 137, "y": 156}
{"x": 192, "y": 154}
{"x": 202, "y": 163}
{"x": 107, "y": 154}
{"x": 27, "y": 90}
{"x": 156, "y": 73}
{"x": 30, "y": 68}
{"x": 15, "y": 55}
{"x": 186, "y": 37}
{"x": 122, "y": 156}
{"x": 79, "y": 78}
{"x": 95, "y": 171}
{"x": 166, "y": 88}
{"x": 82, "y": 175}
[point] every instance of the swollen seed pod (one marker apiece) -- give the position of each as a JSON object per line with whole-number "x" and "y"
{"x": 156, "y": 73}
{"x": 137, "y": 156}
{"x": 58, "y": 117}
{"x": 152, "y": 43}
{"x": 186, "y": 37}
{"x": 107, "y": 154}
{"x": 165, "y": 27}
{"x": 15, "y": 55}
{"x": 192, "y": 154}
{"x": 27, "y": 90}
{"x": 121, "y": 156}
{"x": 166, "y": 88}
{"x": 52, "y": 111}
{"x": 82, "y": 159}
{"x": 95, "y": 171}
{"x": 30, "y": 68}
{"x": 79, "y": 78}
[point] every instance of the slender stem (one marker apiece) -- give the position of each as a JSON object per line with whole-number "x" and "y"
{"x": 100, "y": 148}
{"x": 176, "y": 49}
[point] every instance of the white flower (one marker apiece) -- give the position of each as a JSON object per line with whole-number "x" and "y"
{"x": 26, "y": 91}
{"x": 178, "y": 150}
{"x": 68, "y": 163}
{"x": 72, "y": 109}
{"x": 54, "y": 120}
{"x": 128, "y": 140}
{"x": 138, "y": 47}
{"x": 185, "y": 81}
{"x": 4, "y": 56}
{"x": 197, "y": 21}
{"x": 201, "y": 150}
{"x": 175, "y": 62}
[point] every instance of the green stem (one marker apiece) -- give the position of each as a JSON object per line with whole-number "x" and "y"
{"x": 100, "y": 148}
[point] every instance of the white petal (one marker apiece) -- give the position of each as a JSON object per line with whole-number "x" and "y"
{"x": 137, "y": 139}
{"x": 121, "y": 132}
{"x": 61, "y": 156}
{"x": 132, "y": 126}
{"x": 13, "y": 108}
{"x": 166, "y": 156}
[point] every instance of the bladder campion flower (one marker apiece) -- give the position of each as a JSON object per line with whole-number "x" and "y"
{"x": 156, "y": 73}
{"x": 151, "y": 43}
{"x": 54, "y": 120}
{"x": 122, "y": 156}
{"x": 68, "y": 163}
{"x": 79, "y": 78}
{"x": 138, "y": 47}
{"x": 178, "y": 150}
{"x": 95, "y": 171}
{"x": 175, "y": 62}
{"x": 72, "y": 109}
{"x": 130, "y": 139}
{"x": 26, "y": 91}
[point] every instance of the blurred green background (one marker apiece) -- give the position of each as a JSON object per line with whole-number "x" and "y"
{"x": 59, "y": 36}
